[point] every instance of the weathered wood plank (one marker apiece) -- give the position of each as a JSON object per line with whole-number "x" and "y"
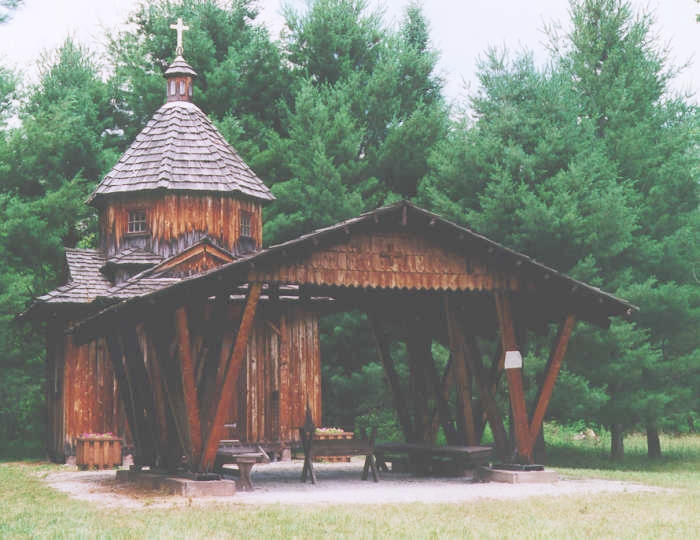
{"x": 175, "y": 220}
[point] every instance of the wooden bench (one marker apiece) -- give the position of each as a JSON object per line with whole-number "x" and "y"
{"x": 243, "y": 456}
{"x": 426, "y": 459}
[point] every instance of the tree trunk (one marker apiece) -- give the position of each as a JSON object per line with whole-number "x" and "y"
{"x": 617, "y": 447}
{"x": 653, "y": 443}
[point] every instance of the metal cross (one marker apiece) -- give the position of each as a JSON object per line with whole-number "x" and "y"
{"x": 180, "y": 29}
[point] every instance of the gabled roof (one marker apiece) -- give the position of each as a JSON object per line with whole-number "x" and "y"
{"x": 181, "y": 150}
{"x": 592, "y": 303}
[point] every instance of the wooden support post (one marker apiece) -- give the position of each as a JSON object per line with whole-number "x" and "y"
{"x": 384, "y": 353}
{"x": 169, "y": 449}
{"x": 141, "y": 396}
{"x": 227, "y": 394}
{"x": 418, "y": 344}
{"x": 188, "y": 383}
{"x": 178, "y": 434}
{"x": 116, "y": 355}
{"x": 551, "y": 373}
{"x": 464, "y": 383}
{"x": 514, "y": 373}
{"x": 211, "y": 347}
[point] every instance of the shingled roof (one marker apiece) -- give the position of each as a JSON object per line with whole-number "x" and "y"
{"x": 180, "y": 149}
{"x": 86, "y": 282}
{"x": 136, "y": 257}
{"x": 596, "y": 305}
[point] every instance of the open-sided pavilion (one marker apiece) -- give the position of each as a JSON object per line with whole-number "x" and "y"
{"x": 401, "y": 265}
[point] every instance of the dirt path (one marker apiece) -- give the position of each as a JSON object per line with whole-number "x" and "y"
{"x": 278, "y": 483}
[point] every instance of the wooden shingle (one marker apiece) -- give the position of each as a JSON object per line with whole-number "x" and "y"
{"x": 181, "y": 150}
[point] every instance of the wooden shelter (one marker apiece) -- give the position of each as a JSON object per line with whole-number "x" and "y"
{"x": 181, "y": 323}
{"x": 398, "y": 263}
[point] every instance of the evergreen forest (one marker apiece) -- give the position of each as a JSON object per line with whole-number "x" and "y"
{"x": 589, "y": 164}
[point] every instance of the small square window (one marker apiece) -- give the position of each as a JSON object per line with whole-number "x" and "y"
{"x": 137, "y": 222}
{"x": 245, "y": 224}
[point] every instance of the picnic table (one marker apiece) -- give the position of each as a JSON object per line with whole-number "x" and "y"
{"x": 314, "y": 447}
{"x": 426, "y": 458}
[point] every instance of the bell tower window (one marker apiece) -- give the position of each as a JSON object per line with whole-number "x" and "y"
{"x": 245, "y": 224}
{"x": 137, "y": 222}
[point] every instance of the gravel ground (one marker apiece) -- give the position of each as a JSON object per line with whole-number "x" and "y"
{"x": 338, "y": 483}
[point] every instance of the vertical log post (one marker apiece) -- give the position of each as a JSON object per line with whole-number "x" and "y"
{"x": 141, "y": 397}
{"x": 178, "y": 434}
{"x": 514, "y": 373}
{"x": 188, "y": 383}
{"x": 226, "y": 395}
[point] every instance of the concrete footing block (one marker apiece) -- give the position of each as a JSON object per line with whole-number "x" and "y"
{"x": 174, "y": 485}
{"x": 548, "y": 476}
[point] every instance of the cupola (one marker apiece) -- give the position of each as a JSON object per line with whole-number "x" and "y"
{"x": 179, "y": 182}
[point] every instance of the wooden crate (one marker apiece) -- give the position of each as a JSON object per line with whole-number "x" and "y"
{"x": 102, "y": 453}
{"x": 329, "y": 437}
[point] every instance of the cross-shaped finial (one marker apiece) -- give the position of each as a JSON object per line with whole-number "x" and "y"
{"x": 180, "y": 29}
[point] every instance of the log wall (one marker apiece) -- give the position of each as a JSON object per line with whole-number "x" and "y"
{"x": 280, "y": 375}
{"x": 275, "y": 386}
{"x": 391, "y": 260}
{"x": 81, "y": 393}
{"x": 176, "y": 221}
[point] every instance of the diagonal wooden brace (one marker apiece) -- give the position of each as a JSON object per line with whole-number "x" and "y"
{"x": 227, "y": 394}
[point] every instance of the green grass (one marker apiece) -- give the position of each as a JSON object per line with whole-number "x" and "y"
{"x": 30, "y": 509}
{"x": 679, "y": 466}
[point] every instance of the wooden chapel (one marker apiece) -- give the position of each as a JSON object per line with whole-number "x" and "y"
{"x": 181, "y": 322}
